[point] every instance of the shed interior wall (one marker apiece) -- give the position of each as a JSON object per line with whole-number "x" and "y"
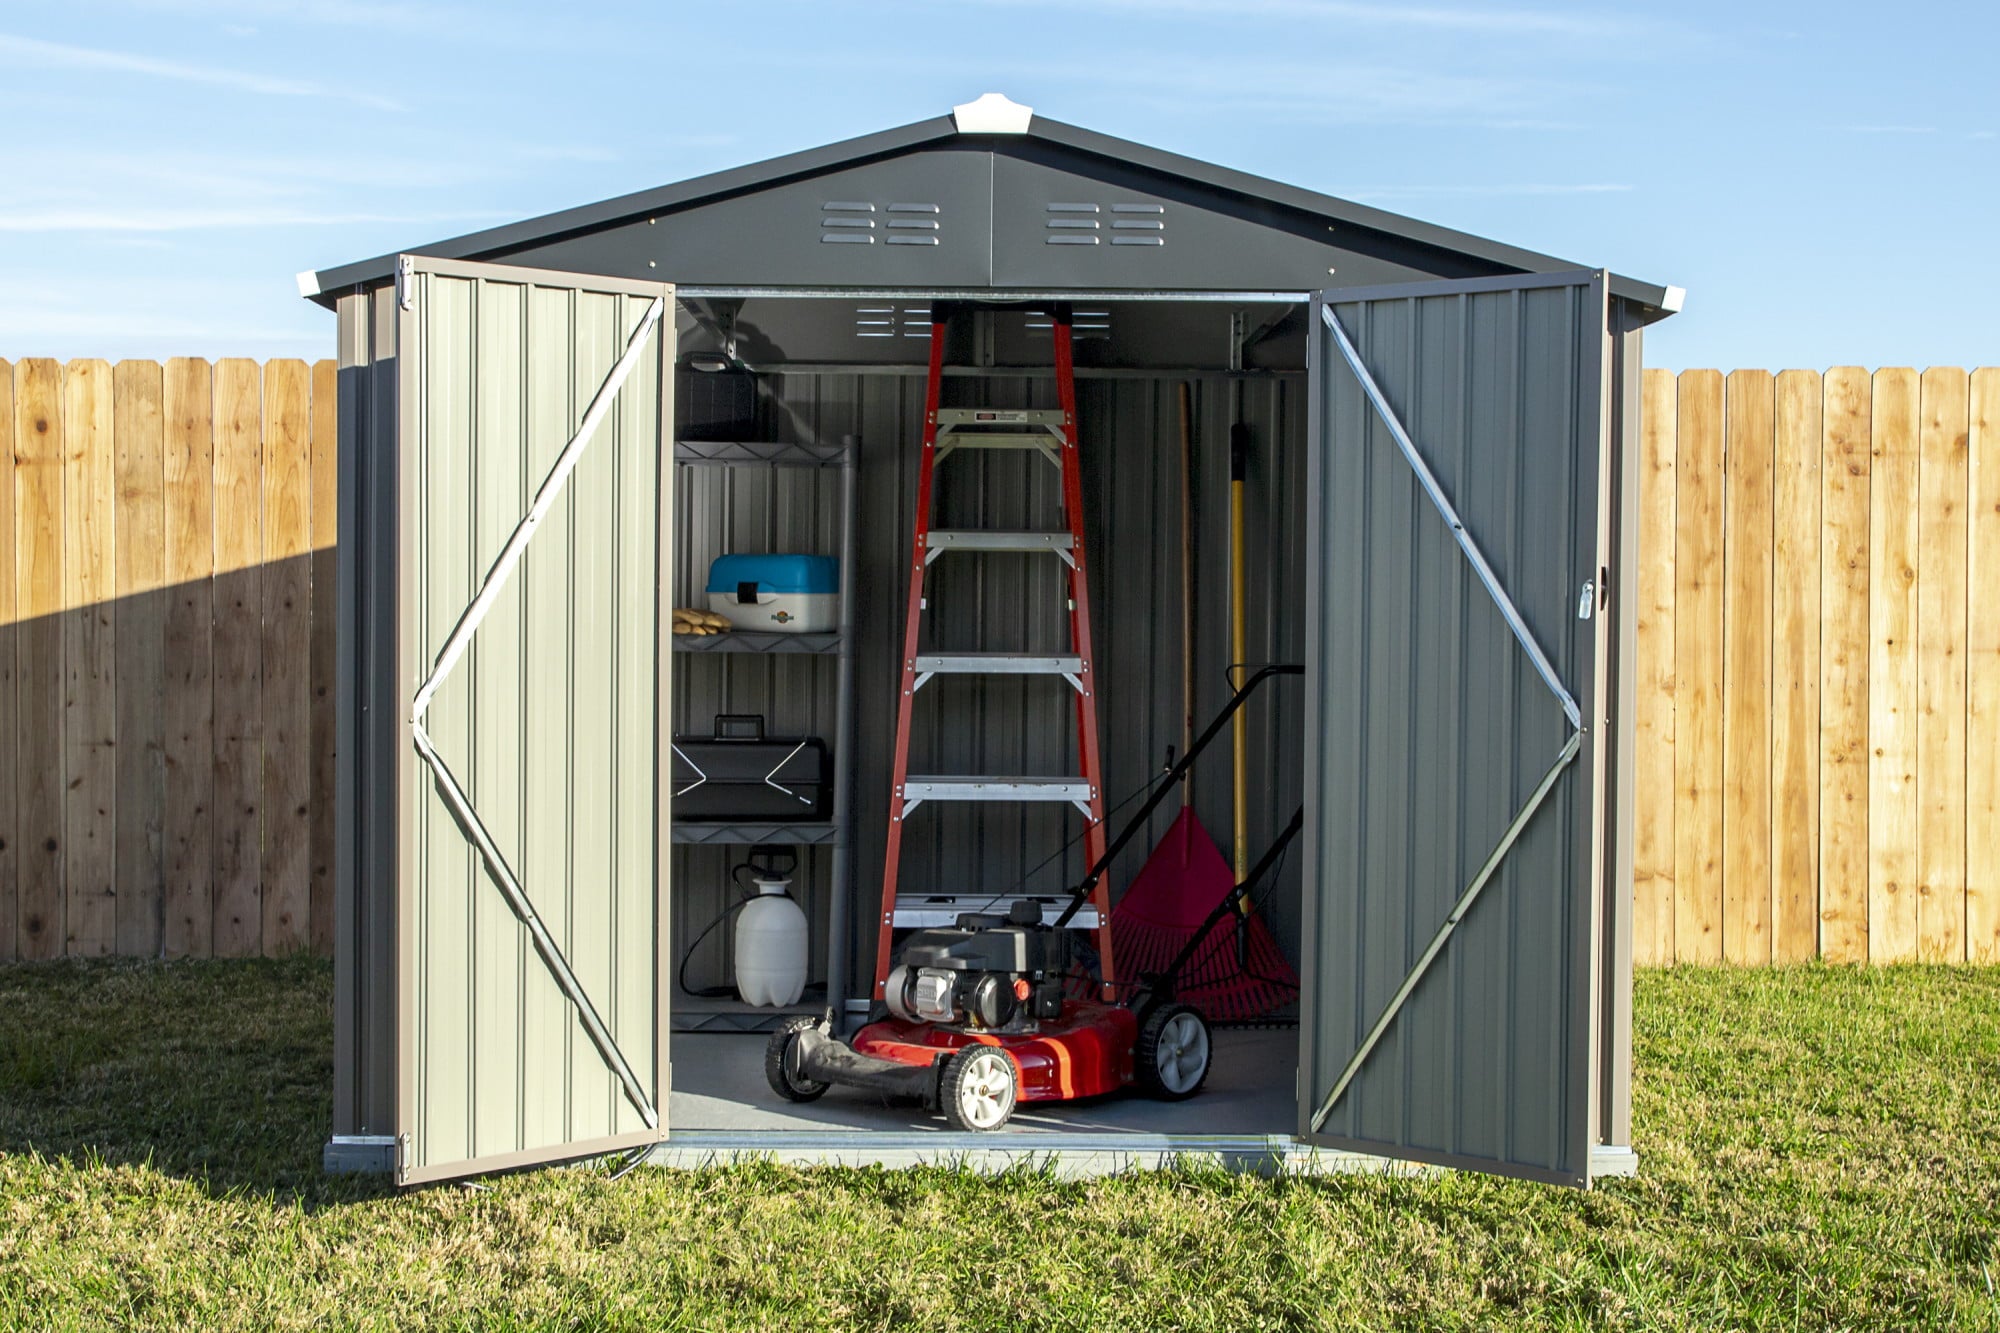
{"x": 1132, "y": 479}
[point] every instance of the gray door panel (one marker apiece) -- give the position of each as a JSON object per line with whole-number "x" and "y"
{"x": 529, "y": 674}
{"x": 1437, "y": 725}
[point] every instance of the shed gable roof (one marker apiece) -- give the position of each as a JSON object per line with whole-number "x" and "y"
{"x": 1162, "y": 221}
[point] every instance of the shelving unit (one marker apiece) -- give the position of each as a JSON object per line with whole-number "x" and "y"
{"x": 751, "y": 641}
{"x": 698, "y": 1014}
{"x": 750, "y": 833}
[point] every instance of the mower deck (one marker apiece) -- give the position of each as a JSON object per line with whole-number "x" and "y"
{"x": 719, "y": 1087}
{"x": 1085, "y": 1053}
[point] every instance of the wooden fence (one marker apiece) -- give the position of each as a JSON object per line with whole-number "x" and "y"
{"x": 166, "y": 657}
{"x": 1819, "y": 662}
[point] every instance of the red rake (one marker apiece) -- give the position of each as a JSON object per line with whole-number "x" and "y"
{"x": 1175, "y": 894}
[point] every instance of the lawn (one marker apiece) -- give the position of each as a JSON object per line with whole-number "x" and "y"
{"x": 1820, "y": 1149}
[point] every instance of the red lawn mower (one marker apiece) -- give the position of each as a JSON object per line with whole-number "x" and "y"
{"x": 980, "y": 1017}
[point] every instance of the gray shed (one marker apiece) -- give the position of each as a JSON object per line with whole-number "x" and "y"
{"x": 1441, "y": 494}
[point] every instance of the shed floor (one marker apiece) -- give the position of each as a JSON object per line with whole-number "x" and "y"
{"x": 718, "y": 1084}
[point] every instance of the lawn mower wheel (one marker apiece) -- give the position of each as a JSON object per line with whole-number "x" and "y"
{"x": 1170, "y": 1060}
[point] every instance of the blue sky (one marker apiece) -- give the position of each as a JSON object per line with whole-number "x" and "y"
{"x": 1823, "y": 178}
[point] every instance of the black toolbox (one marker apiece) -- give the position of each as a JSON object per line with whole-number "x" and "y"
{"x": 741, "y": 774}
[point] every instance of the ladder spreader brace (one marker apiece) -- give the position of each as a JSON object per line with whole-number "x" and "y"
{"x": 1051, "y": 433}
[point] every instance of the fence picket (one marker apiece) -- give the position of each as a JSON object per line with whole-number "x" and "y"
{"x": 1653, "y": 727}
{"x": 1941, "y": 648}
{"x": 324, "y": 615}
{"x": 1795, "y": 648}
{"x": 1892, "y": 669}
{"x": 1698, "y": 671}
{"x": 238, "y": 665}
{"x": 90, "y": 654}
{"x": 38, "y": 554}
{"x": 9, "y": 716}
{"x": 1845, "y": 473}
{"x": 1746, "y": 667}
{"x": 141, "y": 623}
{"x": 189, "y": 710}
{"x": 1982, "y": 706}
{"x": 286, "y": 704}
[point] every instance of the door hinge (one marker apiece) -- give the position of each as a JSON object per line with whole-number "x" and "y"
{"x": 406, "y": 282}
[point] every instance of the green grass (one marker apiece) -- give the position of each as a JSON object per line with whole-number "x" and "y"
{"x": 1819, "y": 1150}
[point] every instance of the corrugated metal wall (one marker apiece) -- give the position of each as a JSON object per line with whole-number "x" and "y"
{"x": 1130, "y": 435}
{"x": 1434, "y": 728}
{"x": 369, "y": 747}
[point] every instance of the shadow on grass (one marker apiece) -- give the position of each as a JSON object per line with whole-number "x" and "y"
{"x": 220, "y": 1072}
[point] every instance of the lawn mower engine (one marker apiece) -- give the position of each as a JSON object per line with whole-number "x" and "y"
{"x": 979, "y": 1021}
{"x": 991, "y": 974}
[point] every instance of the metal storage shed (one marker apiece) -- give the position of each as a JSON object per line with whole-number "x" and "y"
{"x": 1449, "y": 426}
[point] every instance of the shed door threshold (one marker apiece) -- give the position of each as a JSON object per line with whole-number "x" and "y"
{"x": 1066, "y": 1154}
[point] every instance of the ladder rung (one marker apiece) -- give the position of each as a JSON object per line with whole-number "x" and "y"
{"x": 934, "y": 788}
{"x": 985, "y": 539}
{"x": 1000, "y": 416}
{"x": 984, "y": 440}
{"x": 928, "y": 911}
{"x": 998, "y": 664}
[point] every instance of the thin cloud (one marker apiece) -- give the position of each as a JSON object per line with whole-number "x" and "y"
{"x": 1478, "y": 191}
{"x": 1497, "y": 20}
{"x": 36, "y": 330}
{"x": 1338, "y": 95}
{"x": 1892, "y": 129}
{"x": 33, "y": 53}
{"x": 561, "y": 153}
{"x": 1329, "y": 94}
{"x": 330, "y": 13}
{"x": 212, "y": 219}
{"x": 236, "y": 177}
{"x": 102, "y": 317}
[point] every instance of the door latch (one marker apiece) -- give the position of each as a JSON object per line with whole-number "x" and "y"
{"x": 1586, "y": 602}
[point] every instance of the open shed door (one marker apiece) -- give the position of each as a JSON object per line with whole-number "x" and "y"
{"x": 532, "y": 409}
{"x": 1458, "y": 533}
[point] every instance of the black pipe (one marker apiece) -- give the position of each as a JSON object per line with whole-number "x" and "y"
{"x": 1081, "y": 894}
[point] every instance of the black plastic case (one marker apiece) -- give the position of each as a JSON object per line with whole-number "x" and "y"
{"x": 741, "y": 774}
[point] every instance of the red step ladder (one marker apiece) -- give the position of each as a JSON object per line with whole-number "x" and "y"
{"x": 1053, "y": 435}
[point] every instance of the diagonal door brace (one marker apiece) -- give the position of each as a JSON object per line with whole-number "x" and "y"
{"x": 448, "y": 657}
{"x": 1444, "y": 931}
{"x": 1477, "y": 558}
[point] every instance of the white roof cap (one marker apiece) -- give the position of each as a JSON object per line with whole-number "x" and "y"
{"x": 994, "y": 113}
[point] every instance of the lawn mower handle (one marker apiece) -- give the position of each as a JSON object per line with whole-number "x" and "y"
{"x": 1081, "y": 894}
